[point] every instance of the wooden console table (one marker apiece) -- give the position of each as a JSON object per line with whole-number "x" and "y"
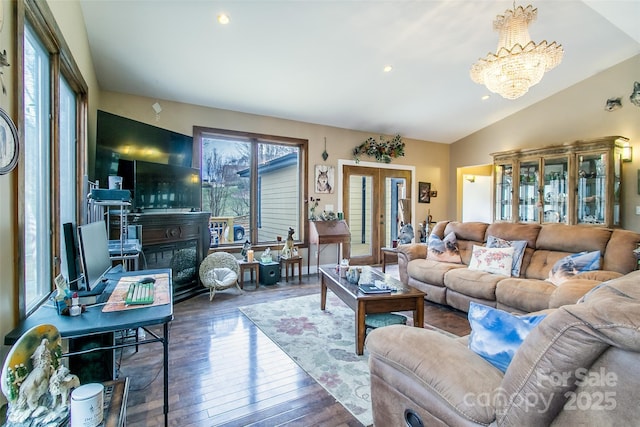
{"x": 385, "y": 252}
{"x": 328, "y": 232}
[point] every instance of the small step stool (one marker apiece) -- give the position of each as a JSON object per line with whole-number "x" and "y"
{"x": 378, "y": 320}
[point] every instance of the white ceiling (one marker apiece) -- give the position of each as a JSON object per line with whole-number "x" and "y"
{"x": 321, "y": 61}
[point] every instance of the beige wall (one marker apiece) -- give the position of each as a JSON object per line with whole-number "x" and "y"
{"x": 431, "y": 158}
{"x": 575, "y": 113}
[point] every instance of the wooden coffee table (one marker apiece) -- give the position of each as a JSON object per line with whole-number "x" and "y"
{"x": 404, "y": 299}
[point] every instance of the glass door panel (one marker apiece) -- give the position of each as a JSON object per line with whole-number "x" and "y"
{"x": 504, "y": 192}
{"x": 555, "y": 190}
{"x": 592, "y": 188}
{"x": 360, "y": 217}
{"x": 376, "y": 204}
{"x": 617, "y": 183}
{"x": 529, "y": 194}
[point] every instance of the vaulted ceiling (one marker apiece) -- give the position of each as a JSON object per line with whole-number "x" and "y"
{"x": 321, "y": 61}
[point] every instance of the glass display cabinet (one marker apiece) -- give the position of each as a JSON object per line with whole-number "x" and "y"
{"x": 572, "y": 183}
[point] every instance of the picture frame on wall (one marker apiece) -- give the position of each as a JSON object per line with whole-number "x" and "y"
{"x": 324, "y": 179}
{"x": 424, "y": 192}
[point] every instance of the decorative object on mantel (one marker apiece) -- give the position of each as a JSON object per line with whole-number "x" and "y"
{"x": 635, "y": 94}
{"x": 518, "y": 63}
{"x": 325, "y": 155}
{"x": 382, "y": 150}
{"x": 613, "y": 104}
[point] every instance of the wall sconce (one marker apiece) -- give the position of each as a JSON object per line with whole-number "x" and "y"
{"x": 627, "y": 153}
{"x": 470, "y": 178}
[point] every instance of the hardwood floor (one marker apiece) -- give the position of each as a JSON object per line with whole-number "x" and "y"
{"x": 223, "y": 371}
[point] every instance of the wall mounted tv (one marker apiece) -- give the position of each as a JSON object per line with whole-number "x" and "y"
{"x": 122, "y": 138}
{"x": 158, "y": 186}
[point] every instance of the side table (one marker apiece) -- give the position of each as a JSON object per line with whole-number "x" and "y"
{"x": 251, "y": 266}
{"x": 292, "y": 262}
{"x": 392, "y": 253}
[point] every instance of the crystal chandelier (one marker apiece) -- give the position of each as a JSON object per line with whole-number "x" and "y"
{"x": 518, "y": 63}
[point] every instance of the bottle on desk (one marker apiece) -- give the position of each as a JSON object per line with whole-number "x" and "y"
{"x": 75, "y": 309}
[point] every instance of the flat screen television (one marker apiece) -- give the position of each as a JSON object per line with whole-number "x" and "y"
{"x": 122, "y": 138}
{"x": 159, "y": 186}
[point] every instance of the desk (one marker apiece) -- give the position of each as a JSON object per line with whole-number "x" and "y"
{"x": 251, "y": 266}
{"x": 292, "y": 262}
{"x": 328, "y": 232}
{"x": 93, "y": 321}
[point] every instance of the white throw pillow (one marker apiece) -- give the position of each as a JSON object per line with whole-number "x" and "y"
{"x": 224, "y": 276}
{"x": 492, "y": 260}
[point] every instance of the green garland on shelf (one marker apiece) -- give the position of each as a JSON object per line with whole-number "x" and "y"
{"x": 382, "y": 150}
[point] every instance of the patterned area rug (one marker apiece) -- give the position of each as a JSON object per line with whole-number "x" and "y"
{"x": 322, "y": 343}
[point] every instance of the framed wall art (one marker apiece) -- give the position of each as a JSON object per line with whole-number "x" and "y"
{"x": 324, "y": 179}
{"x": 9, "y": 144}
{"x": 424, "y": 192}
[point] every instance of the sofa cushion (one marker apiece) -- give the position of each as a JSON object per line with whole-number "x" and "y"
{"x": 572, "y": 238}
{"x": 519, "y": 247}
{"x": 476, "y": 284}
{"x": 573, "y": 264}
{"x": 541, "y": 262}
{"x": 621, "y": 244}
{"x": 496, "y": 335}
{"x": 445, "y": 250}
{"x": 492, "y": 260}
{"x": 515, "y": 231}
{"x": 431, "y": 272}
{"x": 526, "y": 295}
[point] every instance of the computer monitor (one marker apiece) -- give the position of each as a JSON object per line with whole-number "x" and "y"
{"x": 94, "y": 254}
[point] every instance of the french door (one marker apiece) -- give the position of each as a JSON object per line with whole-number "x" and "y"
{"x": 375, "y": 204}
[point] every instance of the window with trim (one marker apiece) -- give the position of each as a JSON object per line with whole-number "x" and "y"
{"x": 51, "y": 118}
{"x": 253, "y": 185}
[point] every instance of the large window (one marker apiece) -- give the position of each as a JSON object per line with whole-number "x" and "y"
{"x": 37, "y": 169}
{"x": 52, "y": 120}
{"x": 253, "y": 185}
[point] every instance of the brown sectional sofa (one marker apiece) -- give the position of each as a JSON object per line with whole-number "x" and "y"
{"x": 578, "y": 367}
{"x": 456, "y": 285}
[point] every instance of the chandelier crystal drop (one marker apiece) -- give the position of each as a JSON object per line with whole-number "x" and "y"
{"x": 518, "y": 63}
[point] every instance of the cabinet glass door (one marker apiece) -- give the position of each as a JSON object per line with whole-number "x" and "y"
{"x": 529, "y": 194}
{"x": 504, "y": 192}
{"x": 592, "y": 188}
{"x": 555, "y": 190}
{"x": 617, "y": 184}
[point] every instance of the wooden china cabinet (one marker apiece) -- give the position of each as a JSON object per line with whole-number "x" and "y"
{"x": 572, "y": 183}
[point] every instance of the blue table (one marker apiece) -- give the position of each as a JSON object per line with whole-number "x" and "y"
{"x": 93, "y": 321}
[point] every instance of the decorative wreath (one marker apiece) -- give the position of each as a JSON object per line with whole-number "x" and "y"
{"x": 382, "y": 150}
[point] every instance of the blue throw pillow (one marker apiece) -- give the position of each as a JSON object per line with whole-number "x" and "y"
{"x": 518, "y": 246}
{"x": 573, "y": 264}
{"x": 496, "y": 335}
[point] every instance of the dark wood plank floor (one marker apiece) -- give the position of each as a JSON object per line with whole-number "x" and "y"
{"x": 223, "y": 371}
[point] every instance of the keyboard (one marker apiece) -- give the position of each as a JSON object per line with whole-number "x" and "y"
{"x": 140, "y": 294}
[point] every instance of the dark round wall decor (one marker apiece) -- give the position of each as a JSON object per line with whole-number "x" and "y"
{"x": 9, "y": 144}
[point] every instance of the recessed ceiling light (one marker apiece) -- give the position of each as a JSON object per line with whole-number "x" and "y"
{"x": 484, "y": 98}
{"x": 223, "y": 18}
{"x": 387, "y": 68}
